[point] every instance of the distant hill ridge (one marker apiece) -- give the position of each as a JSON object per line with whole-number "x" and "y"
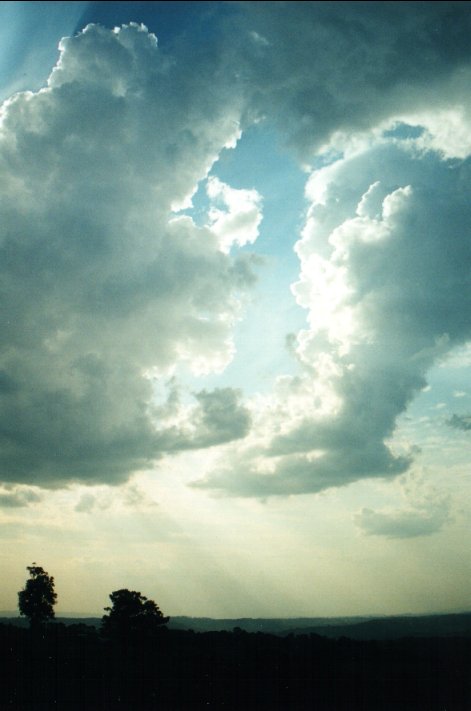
{"x": 457, "y": 625}
{"x": 448, "y": 625}
{"x": 272, "y": 625}
{"x": 359, "y": 628}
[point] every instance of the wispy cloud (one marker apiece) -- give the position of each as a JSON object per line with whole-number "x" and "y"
{"x": 403, "y": 523}
{"x": 460, "y": 422}
{"x": 18, "y": 497}
{"x": 425, "y": 511}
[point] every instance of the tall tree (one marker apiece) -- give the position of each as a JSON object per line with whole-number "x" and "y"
{"x": 131, "y": 613}
{"x": 38, "y": 598}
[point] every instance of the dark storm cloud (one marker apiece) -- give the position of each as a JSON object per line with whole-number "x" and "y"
{"x": 319, "y": 67}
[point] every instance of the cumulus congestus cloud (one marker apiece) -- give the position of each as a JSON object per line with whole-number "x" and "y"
{"x": 102, "y": 286}
{"x": 107, "y": 289}
{"x": 385, "y": 257}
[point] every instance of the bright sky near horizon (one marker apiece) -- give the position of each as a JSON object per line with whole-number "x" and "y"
{"x": 236, "y": 305}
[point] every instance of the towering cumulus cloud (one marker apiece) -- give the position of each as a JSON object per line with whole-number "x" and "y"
{"x": 385, "y": 280}
{"x": 103, "y": 289}
{"x": 385, "y": 250}
{"x": 108, "y": 287}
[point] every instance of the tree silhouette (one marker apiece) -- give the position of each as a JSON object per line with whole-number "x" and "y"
{"x": 37, "y": 599}
{"x": 131, "y": 613}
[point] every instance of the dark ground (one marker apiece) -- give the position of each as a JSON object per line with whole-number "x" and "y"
{"x": 72, "y": 668}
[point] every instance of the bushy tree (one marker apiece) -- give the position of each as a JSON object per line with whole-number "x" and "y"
{"x": 131, "y": 613}
{"x": 38, "y": 598}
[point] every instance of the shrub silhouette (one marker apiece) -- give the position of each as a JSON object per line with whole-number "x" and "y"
{"x": 38, "y": 598}
{"x": 131, "y": 614}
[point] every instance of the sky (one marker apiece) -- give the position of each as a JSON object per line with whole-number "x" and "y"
{"x": 236, "y": 284}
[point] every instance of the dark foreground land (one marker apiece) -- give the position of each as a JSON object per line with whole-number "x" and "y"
{"x": 72, "y": 668}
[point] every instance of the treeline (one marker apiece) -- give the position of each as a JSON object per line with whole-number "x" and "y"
{"x": 133, "y": 661}
{"x": 71, "y": 668}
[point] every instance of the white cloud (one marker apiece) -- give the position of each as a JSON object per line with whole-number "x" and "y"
{"x": 384, "y": 276}
{"x": 448, "y": 130}
{"x": 238, "y": 221}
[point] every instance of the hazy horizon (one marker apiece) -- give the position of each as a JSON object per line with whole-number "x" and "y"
{"x": 97, "y": 615}
{"x": 235, "y": 259}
